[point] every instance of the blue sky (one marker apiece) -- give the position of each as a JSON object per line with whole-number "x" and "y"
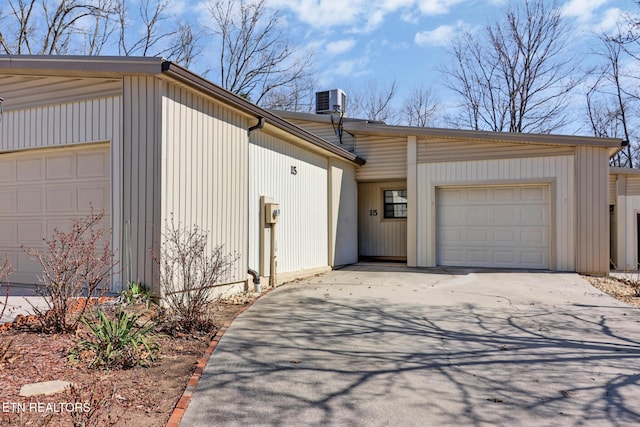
{"x": 359, "y": 41}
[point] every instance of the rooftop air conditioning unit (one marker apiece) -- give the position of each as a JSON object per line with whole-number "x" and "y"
{"x": 331, "y": 101}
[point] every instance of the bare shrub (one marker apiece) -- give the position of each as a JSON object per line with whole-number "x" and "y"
{"x": 188, "y": 272}
{"x": 94, "y": 406}
{"x": 77, "y": 263}
{"x": 5, "y": 271}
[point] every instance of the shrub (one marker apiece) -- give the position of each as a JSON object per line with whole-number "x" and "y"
{"x": 188, "y": 271}
{"x": 121, "y": 342}
{"x": 75, "y": 264}
{"x": 5, "y": 271}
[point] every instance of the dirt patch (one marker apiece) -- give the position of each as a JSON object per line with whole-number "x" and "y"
{"x": 623, "y": 290}
{"x": 142, "y": 396}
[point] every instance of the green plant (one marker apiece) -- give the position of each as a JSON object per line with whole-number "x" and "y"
{"x": 136, "y": 292}
{"x": 121, "y": 342}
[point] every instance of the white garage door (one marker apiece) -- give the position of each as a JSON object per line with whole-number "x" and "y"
{"x": 505, "y": 226}
{"x": 41, "y": 190}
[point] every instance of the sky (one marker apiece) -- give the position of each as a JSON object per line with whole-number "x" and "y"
{"x": 360, "y": 43}
{"x": 357, "y": 42}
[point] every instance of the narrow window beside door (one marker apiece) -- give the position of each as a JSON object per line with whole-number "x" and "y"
{"x": 395, "y": 204}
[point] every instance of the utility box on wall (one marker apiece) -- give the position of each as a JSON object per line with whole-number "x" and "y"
{"x": 271, "y": 213}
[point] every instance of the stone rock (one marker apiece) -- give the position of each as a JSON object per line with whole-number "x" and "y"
{"x": 45, "y": 388}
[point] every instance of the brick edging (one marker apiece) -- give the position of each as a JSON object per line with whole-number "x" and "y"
{"x": 185, "y": 399}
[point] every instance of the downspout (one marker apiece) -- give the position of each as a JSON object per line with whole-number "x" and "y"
{"x": 256, "y": 280}
{"x": 252, "y": 272}
{"x": 257, "y": 126}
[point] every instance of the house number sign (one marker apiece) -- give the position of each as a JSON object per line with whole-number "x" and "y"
{"x": 373, "y": 212}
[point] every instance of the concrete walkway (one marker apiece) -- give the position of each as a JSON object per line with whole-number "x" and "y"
{"x": 378, "y": 345}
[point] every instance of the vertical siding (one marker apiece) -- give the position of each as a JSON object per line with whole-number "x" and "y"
{"x": 141, "y": 175}
{"x": 592, "y": 173}
{"x": 558, "y": 171}
{"x": 204, "y": 171}
{"x": 344, "y": 213}
{"x": 612, "y": 189}
{"x": 379, "y": 237}
{"x": 60, "y": 124}
{"x": 386, "y": 158}
{"x": 302, "y": 230}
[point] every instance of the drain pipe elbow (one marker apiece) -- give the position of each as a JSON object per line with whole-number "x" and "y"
{"x": 256, "y": 280}
{"x": 257, "y": 126}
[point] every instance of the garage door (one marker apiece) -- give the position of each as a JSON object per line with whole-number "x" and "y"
{"x": 40, "y": 190}
{"x": 505, "y": 227}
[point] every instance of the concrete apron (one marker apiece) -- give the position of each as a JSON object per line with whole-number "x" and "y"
{"x": 423, "y": 347}
{"x": 21, "y": 301}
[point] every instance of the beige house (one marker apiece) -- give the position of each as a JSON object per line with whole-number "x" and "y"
{"x": 624, "y": 209}
{"x": 146, "y": 139}
{"x": 289, "y": 194}
{"x": 441, "y": 197}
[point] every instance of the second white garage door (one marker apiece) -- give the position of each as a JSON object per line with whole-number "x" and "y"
{"x": 501, "y": 226}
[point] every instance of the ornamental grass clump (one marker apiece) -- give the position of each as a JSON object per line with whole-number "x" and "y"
{"x": 120, "y": 342}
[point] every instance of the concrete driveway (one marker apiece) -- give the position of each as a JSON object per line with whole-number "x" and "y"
{"x": 374, "y": 345}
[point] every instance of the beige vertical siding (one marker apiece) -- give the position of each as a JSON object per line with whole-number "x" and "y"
{"x": 379, "y": 237}
{"x": 612, "y": 189}
{"x": 633, "y": 185}
{"x": 21, "y": 92}
{"x": 448, "y": 150}
{"x": 140, "y": 159}
{"x": 592, "y": 221}
{"x": 343, "y": 213}
{"x": 204, "y": 171}
{"x": 556, "y": 171}
{"x": 302, "y": 230}
{"x": 77, "y": 122}
{"x": 386, "y": 158}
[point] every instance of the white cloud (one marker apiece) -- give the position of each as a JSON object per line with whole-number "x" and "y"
{"x": 340, "y": 46}
{"x": 440, "y": 36}
{"x": 609, "y": 21}
{"x": 581, "y": 9}
{"x": 436, "y": 7}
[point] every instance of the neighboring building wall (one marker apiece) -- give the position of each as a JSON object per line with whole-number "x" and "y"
{"x": 592, "y": 221}
{"x": 377, "y": 236}
{"x": 343, "y": 242}
{"x": 556, "y": 171}
{"x": 204, "y": 169}
{"x": 297, "y": 179}
{"x": 626, "y": 192}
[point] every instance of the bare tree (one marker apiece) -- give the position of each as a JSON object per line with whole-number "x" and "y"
{"x": 420, "y": 107}
{"x": 255, "y": 56}
{"x": 45, "y": 27}
{"x": 373, "y": 103}
{"x": 609, "y": 100}
{"x": 514, "y": 76}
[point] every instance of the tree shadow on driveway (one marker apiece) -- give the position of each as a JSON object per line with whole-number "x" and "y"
{"x": 326, "y": 355}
